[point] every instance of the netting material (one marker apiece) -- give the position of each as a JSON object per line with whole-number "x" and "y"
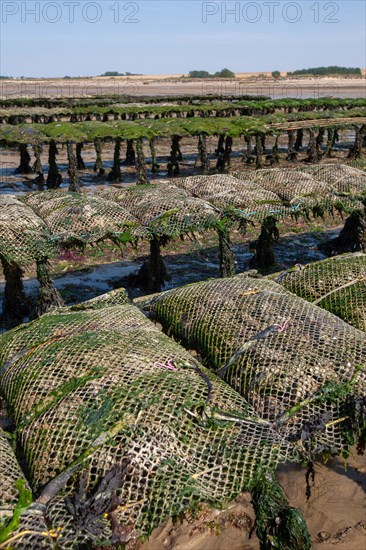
{"x": 15, "y": 495}
{"x": 225, "y": 191}
{"x": 296, "y": 189}
{"x": 112, "y": 298}
{"x": 10, "y": 472}
{"x": 281, "y": 192}
{"x": 340, "y": 178}
{"x": 165, "y": 209}
{"x": 336, "y": 284}
{"x": 83, "y": 217}
{"x": 274, "y": 348}
{"x": 23, "y": 235}
{"x": 193, "y": 204}
{"x": 146, "y": 429}
{"x": 314, "y": 188}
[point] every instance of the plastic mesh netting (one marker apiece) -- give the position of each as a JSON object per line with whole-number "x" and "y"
{"x": 336, "y": 284}
{"x": 296, "y": 189}
{"x": 83, "y": 217}
{"x": 121, "y": 428}
{"x": 280, "y": 192}
{"x": 165, "y": 209}
{"x": 287, "y": 357}
{"x": 340, "y": 178}
{"x": 313, "y": 189}
{"x": 17, "y": 515}
{"x": 289, "y": 184}
{"x": 23, "y": 235}
{"x": 224, "y": 191}
{"x": 112, "y": 298}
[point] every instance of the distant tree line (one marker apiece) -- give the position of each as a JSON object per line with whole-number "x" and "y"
{"x": 327, "y": 70}
{"x": 224, "y": 73}
{"x": 116, "y": 73}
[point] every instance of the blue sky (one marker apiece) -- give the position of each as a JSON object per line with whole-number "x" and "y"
{"x": 82, "y": 37}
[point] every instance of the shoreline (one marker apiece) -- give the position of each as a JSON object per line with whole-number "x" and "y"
{"x": 155, "y": 85}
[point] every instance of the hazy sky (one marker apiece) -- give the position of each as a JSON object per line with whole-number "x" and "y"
{"x": 58, "y": 38}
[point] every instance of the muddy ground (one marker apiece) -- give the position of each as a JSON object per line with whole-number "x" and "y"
{"x": 21, "y": 183}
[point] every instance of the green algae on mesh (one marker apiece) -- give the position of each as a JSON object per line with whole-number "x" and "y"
{"x": 332, "y": 392}
{"x": 234, "y": 127}
{"x": 24, "y": 501}
{"x": 58, "y": 394}
{"x": 341, "y": 303}
{"x": 337, "y": 284}
{"x": 217, "y": 108}
{"x": 28, "y": 337}
{"x": 193, "y": 102}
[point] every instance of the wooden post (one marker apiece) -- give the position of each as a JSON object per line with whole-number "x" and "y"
{"x": 352, "y": 237}
{"x": 15, "y": 303}
{"x": 116, "y": 174}
{"x": 355, "y": 151}
{"x": 330, "y": 142}
{"x": 154, "y": 164}
{"x": 259, "y": 152}
{"x": 249, "y": 157}
{"x": 74, "y": 182}
{"x": 291, "y": 153}
{"x": 80, "y": 164}
{"x": 202, "y": 153}
{"x": 98, "y": 166}
{"x": 48, "y": 295}
{"x": 228, "y": 150}
{"x": 24, "y": 166}
{"x": 227, "y": 258}
{"x": 54, "y": 178}
{"x": 220, "y": 152}
{"x": 130, "y": 159}
{"x": 313, "y": 149}
{"x": 275, "y": 154}
{"x": 153, "y": 274}
{"x": 299, "y": 139}
{"x": 37, "y": 167}
{"x": 141, "y": 163}
{"x": 175, "y": 154}
{"x": 264, "y": 253}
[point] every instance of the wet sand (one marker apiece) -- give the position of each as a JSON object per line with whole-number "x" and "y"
{"x": 335, "y": 514}
{"x": 155, "y": 85}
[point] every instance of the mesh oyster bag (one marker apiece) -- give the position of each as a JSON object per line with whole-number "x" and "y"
{"x": 165, "y": 210}
{"x": 80, "y": 217}
{"x": 340, "y": 178}
{"x": 250, "y": 199}
{"x": 299, "y": 190}
{"x": 301, "y": 368}
{"x": 24, "y": 237}
{"x": 22, "y": 523}
{"x": 121, "y": 428}
{"x": 337, "y": 284}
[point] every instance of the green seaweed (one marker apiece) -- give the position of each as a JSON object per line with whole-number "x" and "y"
{"x": 25, "y": 499}
{"x": 278, "y": 526}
